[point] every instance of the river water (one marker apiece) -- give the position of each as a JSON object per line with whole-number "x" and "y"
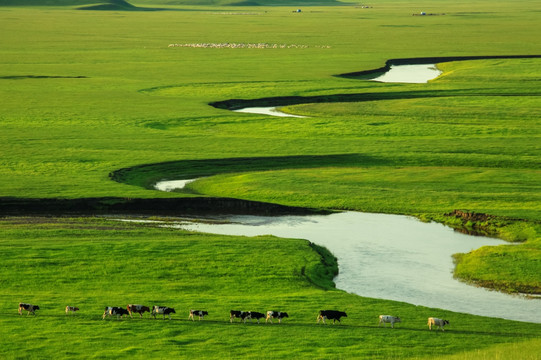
{"x": 415, "y": 74}
{"x": 270, "y": 110}
{"x": 386, "y": 256}
{"x": 389, "y": 257}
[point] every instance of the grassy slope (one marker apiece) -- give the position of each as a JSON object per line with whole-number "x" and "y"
{"x": 96, "y": 263}
{"x": 142, "y": 102}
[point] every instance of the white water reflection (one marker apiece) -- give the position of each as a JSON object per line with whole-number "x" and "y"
{"x": 390, "y": 257}
{"x": 273, "y": 111}
{"x": 170, "y": 185}
{"x": 414, "y": 74}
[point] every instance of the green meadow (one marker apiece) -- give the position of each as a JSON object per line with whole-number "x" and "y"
{"x": 93, "y": 263}
{"x": 94, "y": 102}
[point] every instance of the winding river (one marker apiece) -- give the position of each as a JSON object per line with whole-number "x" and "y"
{"x": 413, "y": 74}
{"x": 385, "y": 256}
{"x": 389, "y": 257}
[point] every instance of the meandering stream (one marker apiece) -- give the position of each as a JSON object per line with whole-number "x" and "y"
{"x": 385, "y": 256}
{"x": 415, "y": 74}
{"x": 389, "y": 257}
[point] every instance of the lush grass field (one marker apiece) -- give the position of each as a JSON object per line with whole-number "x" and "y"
{"x": 85, "y": 93}
{"x": 142, "y": 102}
{"x": 93, "y": 263}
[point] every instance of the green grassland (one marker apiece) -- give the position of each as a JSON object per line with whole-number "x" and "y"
{"x": 96, "y": 263}
{"x": 86, "y": 93}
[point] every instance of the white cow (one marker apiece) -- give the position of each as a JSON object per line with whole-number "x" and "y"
{"x": 432, "y": 321}
{"x": 384, "y": 319}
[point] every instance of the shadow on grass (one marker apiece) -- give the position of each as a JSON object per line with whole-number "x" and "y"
{"x": 235, "y": 104}
{"x": 428, "y": 60}
{"x": 147, "y": 175}
{"x": 22, "y": 77}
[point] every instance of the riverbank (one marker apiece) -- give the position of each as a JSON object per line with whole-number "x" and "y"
{"x": 467, "y": 222}
{"x": 107, "y": 93}
{"x": 149, "y": 207}
{"x": 363, "y": 244}
{"x": 95, "y": 262}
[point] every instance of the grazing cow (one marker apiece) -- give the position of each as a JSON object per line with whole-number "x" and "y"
{"x": 200, "y": 313}
{"x": 437, "y": 322}
{"x": 330, "y": 315}
{"x": 71, "y": 309}
{"x": 237, "y": 314}
{"x": 28, "y": 307}
{"x": 254, "y": 315}
{"x": 384, "y": 319}
{"x": 115, "y": 310}
{"x": 276, "y": 315}
{"x": 140, "y": 309}
{"x": 162, "y": 310}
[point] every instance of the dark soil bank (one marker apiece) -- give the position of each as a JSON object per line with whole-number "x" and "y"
{"x": 430, "y": 60}
{"x": 163, "y": 207}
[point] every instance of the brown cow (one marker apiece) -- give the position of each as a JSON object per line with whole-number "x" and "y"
{"x": 140, "y": 309}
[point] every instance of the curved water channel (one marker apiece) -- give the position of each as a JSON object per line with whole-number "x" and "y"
{"x": 384, "y": 256}
{"x": 389, "y": 257}
{"x": 411, "y": 73}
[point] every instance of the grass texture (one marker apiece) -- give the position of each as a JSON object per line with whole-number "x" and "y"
{"x": 86, "y": 93}
{"x": 93, "y": 263}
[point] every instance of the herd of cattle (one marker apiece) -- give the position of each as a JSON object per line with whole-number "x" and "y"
{"x": 323, "y": 315}
{"x": 245, "y": 46}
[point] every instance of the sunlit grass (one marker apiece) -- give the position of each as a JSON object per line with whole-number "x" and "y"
{"x": 93, "y": 263}
{"x": 85, "y": 93}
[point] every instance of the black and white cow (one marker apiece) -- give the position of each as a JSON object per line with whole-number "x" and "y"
{"x": 71, "y": 309}
{"x": 384, "y": 319}
{"x": 162, "y": 310}
{"x": 432, "y": 321}
{"x": 276, "y": 315}
{"x": 28, "y": 307}
{"x": 237, "y": 314}
{"x": 200, "y": 313}
{"x": 140, "y": 309}
{"x": 254, "y": 315}
{"x": 330, "y": 315}
{"x": 115, "y": 310}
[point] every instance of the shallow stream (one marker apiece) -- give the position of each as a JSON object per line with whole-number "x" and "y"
{"x": 386, "y": 256}
{"x": 415, "y": 74}
{"x": 390, "y": 257}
